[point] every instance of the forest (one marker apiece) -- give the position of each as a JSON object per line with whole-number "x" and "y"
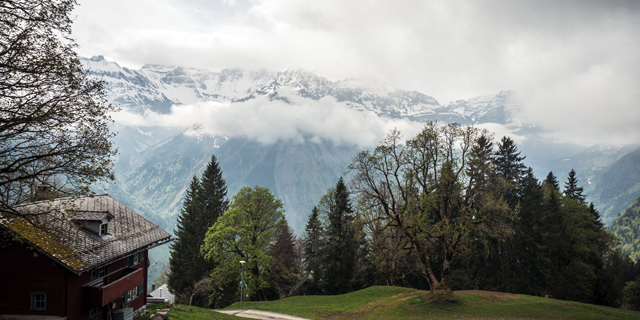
{"x": 448, "y": 209}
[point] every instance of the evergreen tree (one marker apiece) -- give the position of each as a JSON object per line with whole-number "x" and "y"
{"x": 529, "y": 239}
{"x": 204, "y": 202}
{"x": 312, "y": 251}
{"x": 186, "y": 262}
{"x": 552, "y": 181}
{"x": 510, "y": 167}
{"x": 212, "y": 195}
{"x": 338, "y": 259}
{"x": 571, "y": 189}
{"x": 285, "y": 265}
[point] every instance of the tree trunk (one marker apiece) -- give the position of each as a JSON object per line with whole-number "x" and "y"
{"x": 444, "y": 280}
{"x": 261, "y": 295}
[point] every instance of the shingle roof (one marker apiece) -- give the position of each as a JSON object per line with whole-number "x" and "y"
{"x": 78, "y": 248}
{"x": 91, "y": 215}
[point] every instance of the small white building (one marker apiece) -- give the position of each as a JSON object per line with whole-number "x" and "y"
{"x": 160, "y": 294}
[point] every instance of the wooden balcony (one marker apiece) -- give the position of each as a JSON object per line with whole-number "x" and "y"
{"x": 98, "y": 293}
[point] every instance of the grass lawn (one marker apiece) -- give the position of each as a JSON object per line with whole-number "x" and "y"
{"x": 403, "y": 303}
{"x": 181, "y": 312}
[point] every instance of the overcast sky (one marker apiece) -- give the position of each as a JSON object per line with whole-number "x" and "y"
{"x": 574, "y": 64}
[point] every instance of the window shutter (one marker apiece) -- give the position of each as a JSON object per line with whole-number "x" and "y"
{"x": 130, "y": 261}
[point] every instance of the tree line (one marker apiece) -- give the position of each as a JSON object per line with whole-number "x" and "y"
{"x": 448, "y": 209}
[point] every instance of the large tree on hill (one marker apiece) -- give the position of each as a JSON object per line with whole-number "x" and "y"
{"x": 423, "y": 189}
{"x": 54, "y": 118}
{"x": 204, "y": 203}
{"x": 339, "y": 256}
{"x": 244, "y": 232}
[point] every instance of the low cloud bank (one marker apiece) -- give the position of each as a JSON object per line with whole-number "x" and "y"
{"x": 268, "y": 121}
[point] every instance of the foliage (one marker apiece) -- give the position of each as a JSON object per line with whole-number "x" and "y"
{"x": 423, "y": 188}
{"x": 200, "y": 287}
{"x": 626, "y": 227}
{"x": 54, "y": 118}
{"x": 571, "y": 189}
{"x": 203, "y": 204}
{"x": 313, "y": 243}
{"x": 244, "y": 232}
{"x": 509, "y": 165}
{"x": 631, "y": 296}
{"x": 339, "y": 250}
{"x": 285, "y": 265}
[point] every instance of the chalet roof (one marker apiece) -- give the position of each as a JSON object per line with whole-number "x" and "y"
{"x": 76, "y": 247}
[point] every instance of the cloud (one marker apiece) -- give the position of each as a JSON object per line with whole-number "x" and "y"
{"x": 574, "y": 63}
{"x": 268, "y": 121}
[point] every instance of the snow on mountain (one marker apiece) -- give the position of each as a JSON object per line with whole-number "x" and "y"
{"x": 157, "y": 88}
{"x": 492, "y": 108}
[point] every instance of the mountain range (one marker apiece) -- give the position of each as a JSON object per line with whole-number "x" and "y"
{"x": 156, "y": 163}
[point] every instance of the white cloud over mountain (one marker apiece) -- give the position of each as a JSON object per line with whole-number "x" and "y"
{"x": 268, "y": 121}
{"x": 573, "y": 63}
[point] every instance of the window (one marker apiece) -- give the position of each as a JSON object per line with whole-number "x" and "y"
{"x": 98, "y": 272}
{"x": 104, "y": 229}
{"x": 93, "y": 312}
{"x": 133, "y": 293}
{"x": 38, "y": 301}
{"x": 135, "y": 259}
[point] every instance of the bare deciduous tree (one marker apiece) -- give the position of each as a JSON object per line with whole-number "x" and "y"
{"x": 201, "y": 286}
{"x": 53, "y": 117}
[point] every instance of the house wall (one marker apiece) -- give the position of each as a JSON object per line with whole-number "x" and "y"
{"x": 23, "y": 271}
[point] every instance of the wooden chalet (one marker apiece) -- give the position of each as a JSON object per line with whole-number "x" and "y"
{"x": 90, "y": 262}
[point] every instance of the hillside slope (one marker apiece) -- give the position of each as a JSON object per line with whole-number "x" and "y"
{"x": 403, "y": 303}
{"x": 627, "y": 228}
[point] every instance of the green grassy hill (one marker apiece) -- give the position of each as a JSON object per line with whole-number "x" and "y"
{"x": 404, "y": 303}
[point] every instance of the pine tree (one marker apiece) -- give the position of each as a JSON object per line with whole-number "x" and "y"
{"x": 204, "y": 202}
{"x": 285, "y": 265}
{"x": 185, "y": 250}
{"x": 213, "y": 192}
{"x": 312, "y": 251}
{"x": 529, "y": 239}
{"x": 510, "y": 167}
{"x": 340, "y": 248}
{"x": 552, "y": 181}
{"x": 571, "y": 189}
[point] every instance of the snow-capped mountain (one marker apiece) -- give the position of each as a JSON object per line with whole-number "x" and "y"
{"x": 156, "y": 164}
{"x": 157, "y": 87}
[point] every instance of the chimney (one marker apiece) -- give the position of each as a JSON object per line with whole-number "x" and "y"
{"x": 44, "y": 192}
{"x": 153, "y": 287}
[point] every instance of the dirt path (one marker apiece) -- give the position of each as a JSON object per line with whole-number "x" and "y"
{"x": 257, "y": 314}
